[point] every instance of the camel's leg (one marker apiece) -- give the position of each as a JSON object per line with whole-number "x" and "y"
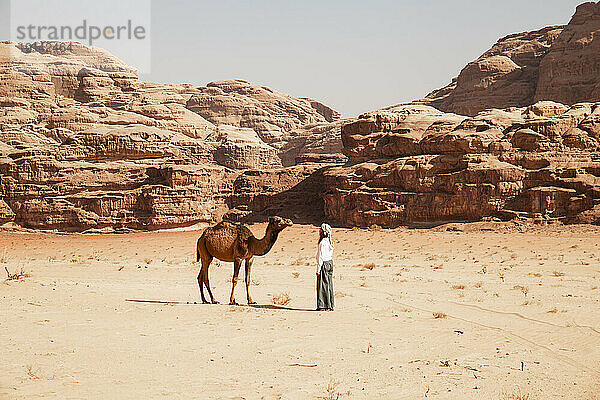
{"x": 236, "y": 271}
{"x": 200, "y": 283}
{"x": 207, "y": 283}
{"x": 203, "y": 278}
{"x": 249, "y": 262}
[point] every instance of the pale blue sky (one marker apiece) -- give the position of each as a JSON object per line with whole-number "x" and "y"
{"x": 353, "y": 55}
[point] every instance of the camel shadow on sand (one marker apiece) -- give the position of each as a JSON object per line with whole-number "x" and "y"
{"x": 259, "y": 306}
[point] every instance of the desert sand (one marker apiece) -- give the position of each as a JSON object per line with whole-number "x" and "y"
{"x": 479, "y": 311}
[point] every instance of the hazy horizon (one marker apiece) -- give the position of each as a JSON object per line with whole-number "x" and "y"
{"x": 350, "y": 56}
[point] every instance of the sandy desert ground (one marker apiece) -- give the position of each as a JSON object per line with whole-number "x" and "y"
{"x": 456, "y": 312}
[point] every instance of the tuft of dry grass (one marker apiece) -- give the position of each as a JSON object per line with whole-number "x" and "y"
{"x": 523, "y": 289}
{"x": 148, "y": 261}
{"x": 282, "y": 299}
{"x": 31, "y": 372}
{"x": 295, "y": 274}
{"x": 298, "y": 261}
{"x": 332, "y": 392}
{"x": 558, "y": 274}
{"x": 17, "y": 275}
{"x": 518, "y": 395}
{"x": 369, "y": 266}
{"x": 478, "y": 285}
{"x": 458, "y": 287}
{"x": 439, "y": 315}
{"x": 553, "y": 311}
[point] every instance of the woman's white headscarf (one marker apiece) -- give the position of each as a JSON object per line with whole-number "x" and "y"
{"x": 326, "y": 228}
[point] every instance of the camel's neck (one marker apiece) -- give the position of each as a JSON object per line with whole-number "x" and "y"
{"x": 264, "y": 245}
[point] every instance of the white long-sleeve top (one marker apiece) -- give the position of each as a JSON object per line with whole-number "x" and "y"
{"x": 324, "y": 253}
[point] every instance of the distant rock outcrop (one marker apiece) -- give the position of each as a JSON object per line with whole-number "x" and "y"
{"x": 570, "y": 71}
{"x": 85, "y": 144}
{"x": 269, "y": 113}
{"x": 558, "y": 63}
{"x": 414, "y": 165}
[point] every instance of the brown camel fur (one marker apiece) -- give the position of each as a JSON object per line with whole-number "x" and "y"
{"x": 232, "y": 242}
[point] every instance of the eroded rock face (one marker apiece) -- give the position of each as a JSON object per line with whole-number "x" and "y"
{"x": 241, "y": 148}
{"x": 294, "y": 192}
{"x": 320, "y": 143}
{"x": 504, "y": 76}
{"x": 557, "y": 63}
{"x": 84, "y": 144}
{"x": 570, "y": 71}
{"x": 411, "y": 165}
{"x": 269, "y": 113}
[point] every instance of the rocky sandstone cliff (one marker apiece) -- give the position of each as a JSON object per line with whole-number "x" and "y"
{"x": 415, "y": 165}
{"x": 558, "y": 63}
{"x": 85, "y": 145}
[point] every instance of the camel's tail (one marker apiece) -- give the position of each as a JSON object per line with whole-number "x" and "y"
{"x": 198, "y": 250}
{"x": 198, "y": 245}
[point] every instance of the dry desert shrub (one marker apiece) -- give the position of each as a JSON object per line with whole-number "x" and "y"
{"x": 523, "y": 289}
{"x": 369, "y": 266}
{"x": 478, "y": 285}
{"x": 332, "y": 392}
{"x": 558, "y": 274}
{"x": 298, "y": 261}
{"x": 31, "y": 372}
{"x": 553, "y": 311}
{"x": 439, "y": 315}
{"x": 518, "y": 395}
{"x": 295, "y": 274}
{"x": 282, "y": 299}
{"x": 17, "y": 275}
{"x": 458, "y": 287}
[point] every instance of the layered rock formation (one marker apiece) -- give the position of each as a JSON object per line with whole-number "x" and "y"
{"x": 415, "y": 165}
{"x": 271, "y": 114}
{"x": 570, "y": 71}
{"x": 559, "y": 63}
{"x": 84, "y": 144}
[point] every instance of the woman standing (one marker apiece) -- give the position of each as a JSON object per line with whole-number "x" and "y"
{"x": 325, "y": 269}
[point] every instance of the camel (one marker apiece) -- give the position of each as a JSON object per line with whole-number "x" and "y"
{"x": 232, "y": 242}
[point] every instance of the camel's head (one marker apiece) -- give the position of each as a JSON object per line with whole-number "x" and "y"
{"x": 279, "y": 224}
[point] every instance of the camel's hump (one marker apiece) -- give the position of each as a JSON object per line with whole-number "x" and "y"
{"x": 230, "y": 228}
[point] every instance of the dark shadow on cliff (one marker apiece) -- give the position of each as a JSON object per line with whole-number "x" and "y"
{"x": 302, "y": 203}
